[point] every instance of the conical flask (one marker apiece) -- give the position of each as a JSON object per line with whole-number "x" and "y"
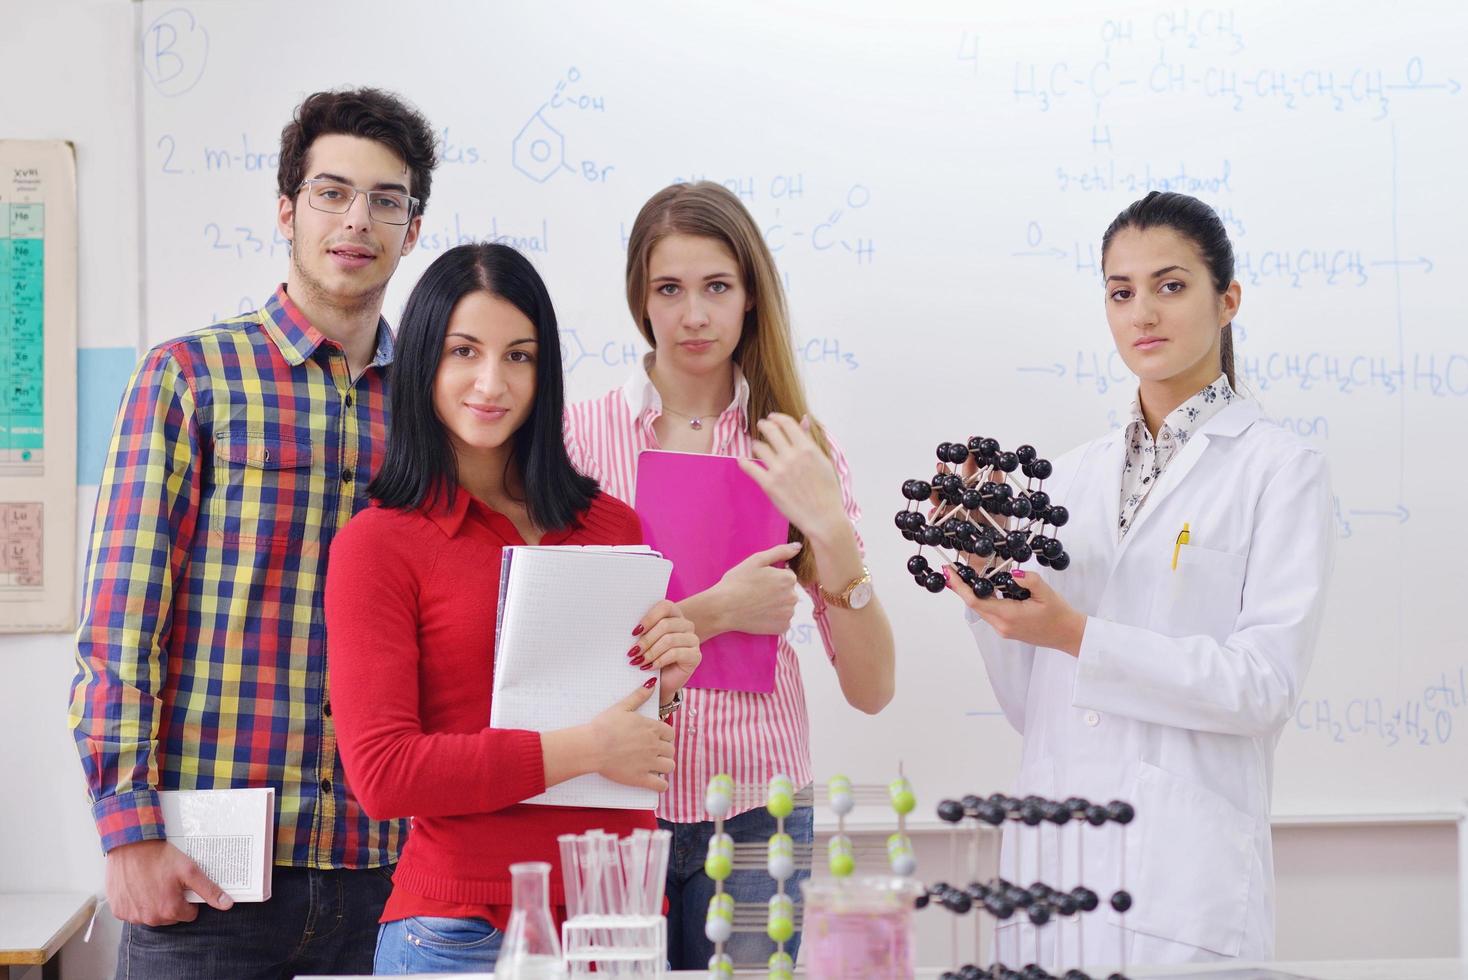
{"x": 531, "y": 950}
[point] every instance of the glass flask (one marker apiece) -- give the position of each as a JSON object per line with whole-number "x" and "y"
{"x": 531, "y": 949}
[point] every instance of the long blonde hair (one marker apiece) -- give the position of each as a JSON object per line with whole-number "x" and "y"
{"x": 764, "y": 353}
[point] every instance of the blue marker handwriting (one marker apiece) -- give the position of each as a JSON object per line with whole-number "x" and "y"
{"x": 1425, "y": 720}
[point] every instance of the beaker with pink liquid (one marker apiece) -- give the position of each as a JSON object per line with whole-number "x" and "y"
{"x": 859, "y": 929}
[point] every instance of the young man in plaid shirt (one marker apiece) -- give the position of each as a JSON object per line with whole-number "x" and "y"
{"x": 239, "y": 451}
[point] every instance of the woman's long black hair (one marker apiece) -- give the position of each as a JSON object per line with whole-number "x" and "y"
{"x": 420, "y": 461}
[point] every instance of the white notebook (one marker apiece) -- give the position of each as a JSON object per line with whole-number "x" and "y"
{"x": 564, "y": 628}
{"x": 230, "y": 834}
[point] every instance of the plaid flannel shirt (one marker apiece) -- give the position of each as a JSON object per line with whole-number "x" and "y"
{"x": 238, "y": 452}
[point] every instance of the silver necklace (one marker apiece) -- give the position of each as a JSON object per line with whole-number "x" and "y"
{"x": 694, "y": 421}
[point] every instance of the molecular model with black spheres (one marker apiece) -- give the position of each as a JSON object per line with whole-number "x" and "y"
{"x": 981, "y": 509}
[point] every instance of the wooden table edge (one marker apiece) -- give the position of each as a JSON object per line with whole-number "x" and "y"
{"x": 38, "y": 957}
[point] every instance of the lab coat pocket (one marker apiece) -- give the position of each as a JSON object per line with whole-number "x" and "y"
{"x": 1188, "y": 863}
{"x": 1202, "y": 595}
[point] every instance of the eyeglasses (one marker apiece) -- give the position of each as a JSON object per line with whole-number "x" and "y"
{"x": 334, "y": 197}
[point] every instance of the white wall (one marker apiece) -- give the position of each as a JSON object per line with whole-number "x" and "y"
{"x": 65, "y": 69}
{"x": 66, "y": 72}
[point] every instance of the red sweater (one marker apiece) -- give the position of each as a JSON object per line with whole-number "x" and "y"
{"x": 411, "y": 600}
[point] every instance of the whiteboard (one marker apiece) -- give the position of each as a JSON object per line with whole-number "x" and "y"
{"x": 934, "y": 184}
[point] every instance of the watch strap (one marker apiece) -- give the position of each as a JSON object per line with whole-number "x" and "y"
{"x": 842, "y": 600}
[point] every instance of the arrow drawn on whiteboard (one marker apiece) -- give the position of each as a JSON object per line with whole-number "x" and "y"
{"x": 1056, "y": 369}
{"x": 1452, "y": 85}
{"x": 1052, "y": 252}
{"x": 1401, "y": 513}
{"x": 1421, "y": 260}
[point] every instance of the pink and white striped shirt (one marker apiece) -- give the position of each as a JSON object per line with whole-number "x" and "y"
{"x": 748, "y": 735}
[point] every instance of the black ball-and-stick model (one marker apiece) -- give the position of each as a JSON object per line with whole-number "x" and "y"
{"x": 973, "y": 514}
{"x": 1044, "y": 905}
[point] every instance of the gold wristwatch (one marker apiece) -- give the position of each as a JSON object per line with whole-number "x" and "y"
{"x": 854, "y": 596}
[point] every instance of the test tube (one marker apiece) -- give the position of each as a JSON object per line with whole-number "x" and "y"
{"x": 646, "y": 845}
{"x": 616, "y": 886}
{"x": 662, "y": 842}
{"x": 570, "y": 874}
{"x": 612, "y": 894}
{"x": 590, "y": 861}
{"x": 627, "y": 849}
{"x": 620, "y": 896}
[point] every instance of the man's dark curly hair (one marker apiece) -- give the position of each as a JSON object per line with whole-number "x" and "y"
{"x": 366, "y": 112}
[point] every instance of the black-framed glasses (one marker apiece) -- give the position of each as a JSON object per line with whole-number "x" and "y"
{"x": 334, "y": 197}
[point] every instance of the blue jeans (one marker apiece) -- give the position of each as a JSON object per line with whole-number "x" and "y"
{"x": 434, "y": 944}
{"x": 690, "y": 890}
{"x": 315, "y": 922}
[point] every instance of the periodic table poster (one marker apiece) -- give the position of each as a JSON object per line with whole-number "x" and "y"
{"x": 38, "y": 338}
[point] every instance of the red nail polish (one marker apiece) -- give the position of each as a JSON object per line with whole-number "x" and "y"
{"x": 945, "y": 575}
{"x": 644, "y": 666}
{"x": 650, "y": 682}
{"x": 638, "y": 631}
{"x": 1018, "y": 573}
{"x": 637, "y": 662}
{"x": 636, "y": 649}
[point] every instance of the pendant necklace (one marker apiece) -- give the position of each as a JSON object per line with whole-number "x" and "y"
{"x": 694, "y": 421}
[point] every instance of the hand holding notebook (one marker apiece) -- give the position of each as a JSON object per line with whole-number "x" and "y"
{"x": 707, "y": 516}
{"x": 229, "y": 833}
{"x": 759, "y": 592}
{"x": 565, "y": 621}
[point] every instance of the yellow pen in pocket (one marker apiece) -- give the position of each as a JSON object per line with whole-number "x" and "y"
{"x": 1177, "y": 546}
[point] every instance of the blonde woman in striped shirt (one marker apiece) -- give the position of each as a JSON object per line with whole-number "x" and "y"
{"x": 721, "y": 378}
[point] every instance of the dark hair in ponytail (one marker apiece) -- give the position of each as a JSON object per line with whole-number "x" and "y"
{"x": 1196, "y": 222}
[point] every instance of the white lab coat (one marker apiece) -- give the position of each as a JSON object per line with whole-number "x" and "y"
{"x": 1184, "y": 681}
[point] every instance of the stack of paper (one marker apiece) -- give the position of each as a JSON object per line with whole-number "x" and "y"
{"x": 566, "y": 616}
{"x": 230, "y": 834}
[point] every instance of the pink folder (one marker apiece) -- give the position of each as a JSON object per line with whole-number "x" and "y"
{"x": 706, "y": 516}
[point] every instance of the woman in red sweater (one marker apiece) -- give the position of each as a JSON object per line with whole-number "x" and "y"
{"x": 475, "y": 462}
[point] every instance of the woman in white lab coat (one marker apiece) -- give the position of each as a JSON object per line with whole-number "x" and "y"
{"x": 1158, "y": 672}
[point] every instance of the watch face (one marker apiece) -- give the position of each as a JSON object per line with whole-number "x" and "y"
{"x": 861, "y": 595}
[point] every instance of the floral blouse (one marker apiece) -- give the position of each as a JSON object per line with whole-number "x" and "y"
{"x": 1146, "y": 459}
